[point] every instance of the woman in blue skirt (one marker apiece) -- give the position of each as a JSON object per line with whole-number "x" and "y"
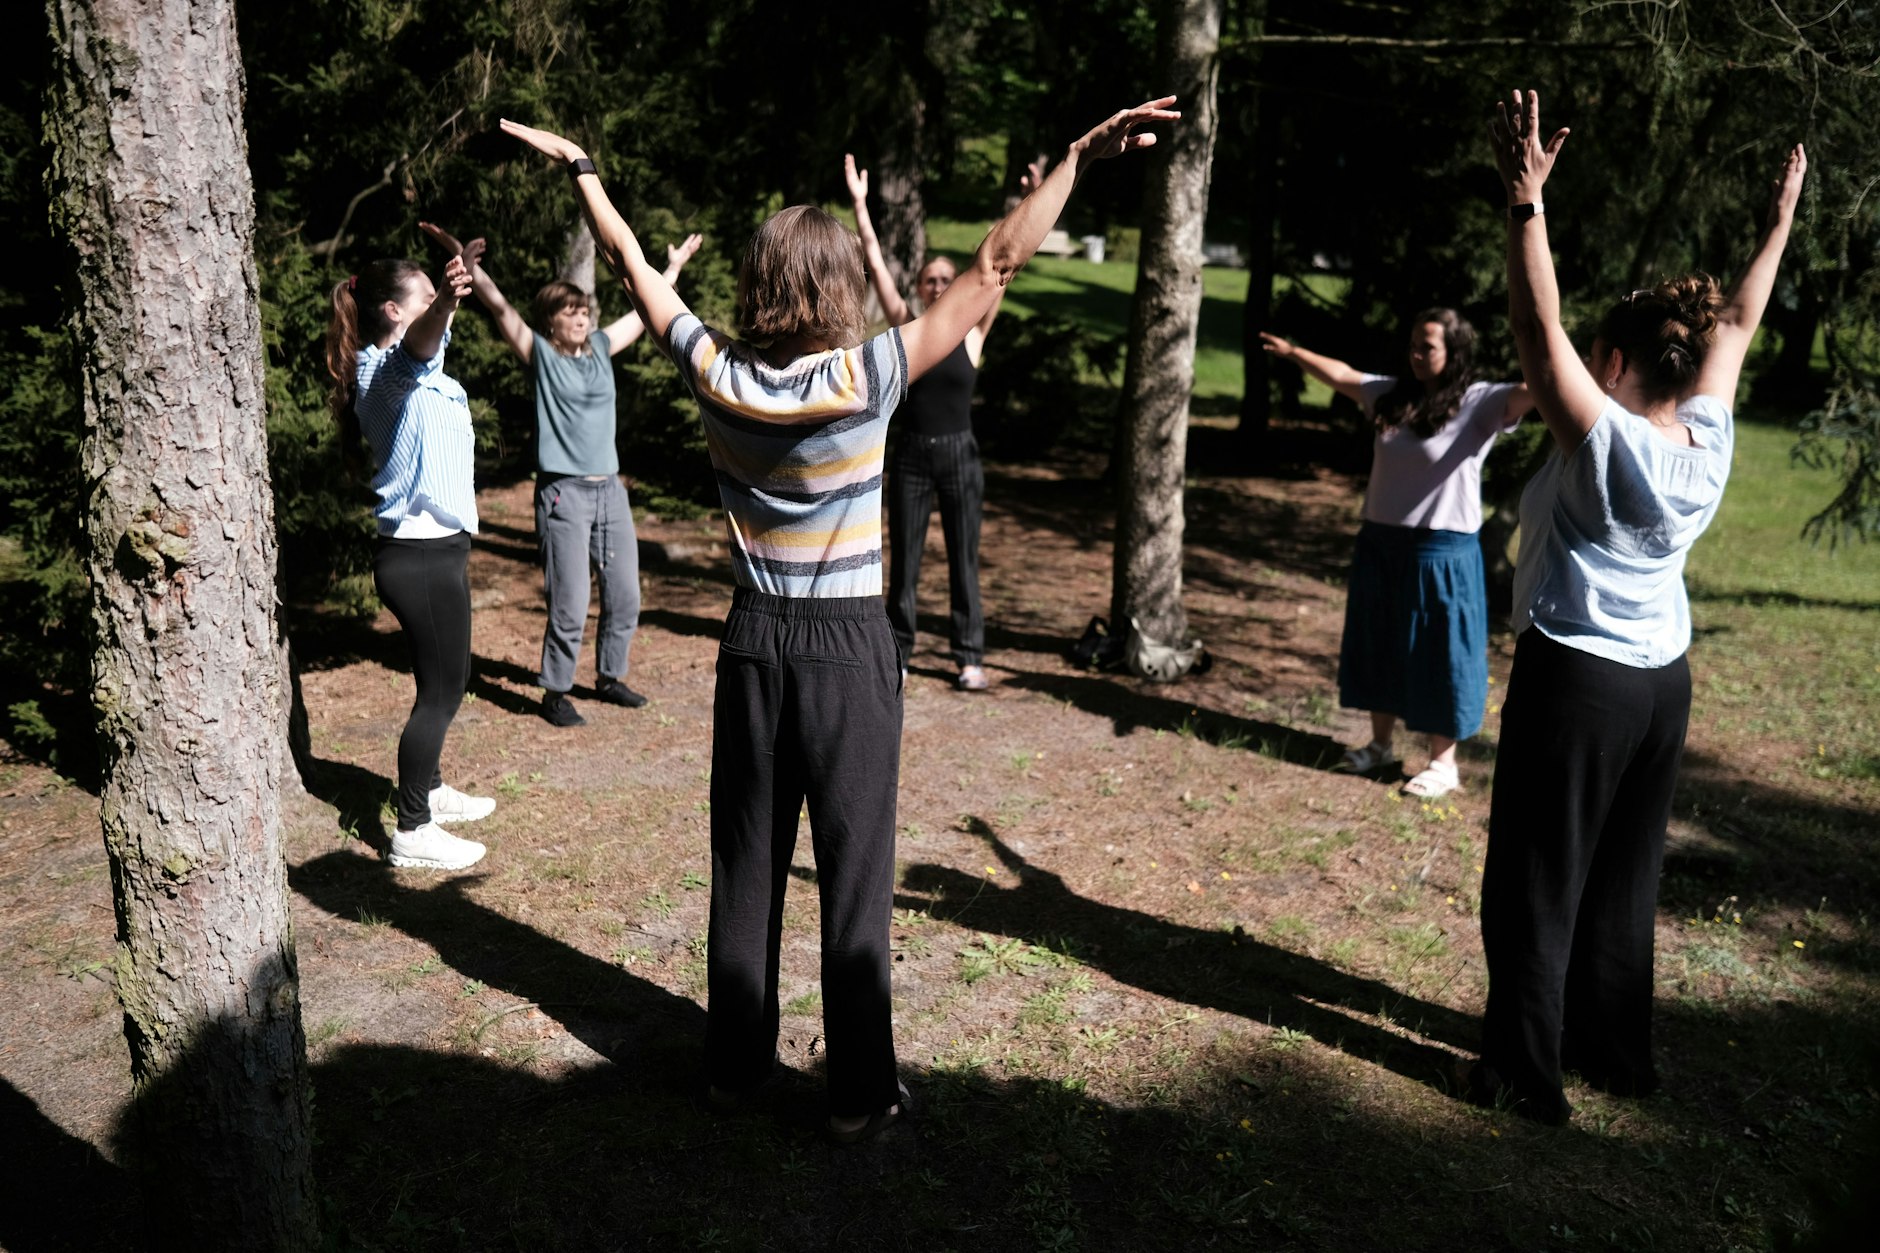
{"x": 1416, "y": 617}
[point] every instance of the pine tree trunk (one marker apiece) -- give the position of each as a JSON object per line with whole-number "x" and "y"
{"x": 149, "y": 167}
{"x": 1152, "y": 426}
{"x": 901, "y": 212}
{"x": 577, "y": 264}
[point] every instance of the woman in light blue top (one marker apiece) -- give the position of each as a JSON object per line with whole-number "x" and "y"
{"x": 385, "y": 353}
{"x": 1593, "y": 727}
{"x": 583, "y": 518}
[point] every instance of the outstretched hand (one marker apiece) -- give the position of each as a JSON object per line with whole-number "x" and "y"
{"x": 457, "y": 278}
{"x": 545, "y": 142}
{"x": 1786, "y": 190}
{"x": 680, "y": 253}
{"x": 472, "y": 252}
{"x": 1523, "y": 160}
{"x": 1034, "y": 175}
{"x": 1117, "y": 134}
{"x": 856, "y": 179}
{"x": 1277, "y": 346}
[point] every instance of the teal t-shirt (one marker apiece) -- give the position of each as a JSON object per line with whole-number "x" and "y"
{"x": 574, "y": 409}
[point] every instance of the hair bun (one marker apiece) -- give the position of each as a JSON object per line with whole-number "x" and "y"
{"x": 1696, "y": 300}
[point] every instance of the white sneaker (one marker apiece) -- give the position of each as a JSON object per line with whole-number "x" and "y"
{"x": 431, "y": 847}
{"x": 450, "y": 805}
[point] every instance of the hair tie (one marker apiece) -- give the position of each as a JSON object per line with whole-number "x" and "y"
{"x": 352, "y": 283}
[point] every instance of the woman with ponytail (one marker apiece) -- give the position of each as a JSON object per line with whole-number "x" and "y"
{"x": 1415, "y": 643}
{"x": 1593, "y": 727}
{"x": 385, "y": 352}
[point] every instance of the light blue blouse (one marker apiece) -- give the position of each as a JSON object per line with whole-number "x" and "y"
{"x": 417, "y": 420}
{"x": 1604, "y": 532}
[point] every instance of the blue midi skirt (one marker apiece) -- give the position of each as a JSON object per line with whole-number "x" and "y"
{"x": 1416, "y": 629}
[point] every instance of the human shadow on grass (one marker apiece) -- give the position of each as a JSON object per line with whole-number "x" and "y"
{"x": 1233, "y": 973}
{"x": 616, "y": 1014}
{"x": 1129, "y": 709}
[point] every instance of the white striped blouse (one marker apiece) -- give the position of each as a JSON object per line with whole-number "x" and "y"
{"x": 417, "y": 420}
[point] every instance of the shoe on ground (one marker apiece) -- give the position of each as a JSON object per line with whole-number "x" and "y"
{"x": 614, "y": 692}
{"x": 450, "y": 805}
{"x": 560, "y": 711}
{"x": 877, "y": 1122}
{"x": 1370, "y": 758}
{"x": 973, "y": 679}
{"x": 1433, "y": 781}
{"x": 431, "y": 847}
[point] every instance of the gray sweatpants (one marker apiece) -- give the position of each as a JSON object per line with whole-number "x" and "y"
{"x": 586, "y": 522}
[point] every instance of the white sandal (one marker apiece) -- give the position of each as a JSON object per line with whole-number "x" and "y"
{"x": 1371, "y": 757}
{"x": 1435, "y": 780}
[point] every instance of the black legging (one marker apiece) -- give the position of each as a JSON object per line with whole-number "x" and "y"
{"x": 946, "y": 466}
{"x": 426, "y": 585}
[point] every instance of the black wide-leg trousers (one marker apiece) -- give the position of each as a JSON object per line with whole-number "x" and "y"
{"x": 946, "y": 467}
{"x": 807, "y": 709}
{"x": 1584, "y": 775}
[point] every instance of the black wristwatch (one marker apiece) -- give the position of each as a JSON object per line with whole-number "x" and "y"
{"x": 580, "y": 166}
{"x": 1522, "y": 212}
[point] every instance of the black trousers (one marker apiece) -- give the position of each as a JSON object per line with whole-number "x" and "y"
{"x": 947, "y": 466}
{"x": 808, "y": 708}
{"x": 1584, "y": 776}
{"x": 426, "y": 585}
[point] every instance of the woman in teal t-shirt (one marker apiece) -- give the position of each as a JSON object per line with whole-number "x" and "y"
{"x": 582, "y": 514}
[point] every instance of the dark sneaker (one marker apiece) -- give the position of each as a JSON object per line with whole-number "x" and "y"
{"x": 614, "y": 692}
{"x": 560, "y": 711}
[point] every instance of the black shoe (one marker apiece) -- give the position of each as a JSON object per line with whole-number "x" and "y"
{"x": 560, "y": 711}
{"x": 614, "y": 692}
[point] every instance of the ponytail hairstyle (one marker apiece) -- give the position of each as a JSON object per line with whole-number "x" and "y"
{"x": 1665, "y": 333}
{"x": 358, "y": 320}
{"x": 1426, "y": 408}
{"x": 802, "y": 276}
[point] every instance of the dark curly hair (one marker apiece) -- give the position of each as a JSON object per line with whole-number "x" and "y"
{"x": 1426, "y": 408}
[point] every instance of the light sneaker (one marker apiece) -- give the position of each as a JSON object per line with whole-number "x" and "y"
{"x": 450, "y": 805}
{"x": 431, "y": 847}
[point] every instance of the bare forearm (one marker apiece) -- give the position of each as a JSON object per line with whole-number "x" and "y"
{"x": 425, "y": 335}
{"x": 892, "y": 305}
{"x": 613, "y": 238}
{"x": 1016, "y": 237}
{"x": 1330, "y": 371}
{"x": 1744, "y": 306}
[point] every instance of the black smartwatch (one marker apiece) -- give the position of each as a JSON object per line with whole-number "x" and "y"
{"x": 580, "y": 166}
{"x": 1522, "y": 212}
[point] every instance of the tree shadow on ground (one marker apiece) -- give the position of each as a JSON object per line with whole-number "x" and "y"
{"x": 1129, "y": 709}
{"x": 57, "y": 1192}
{"x": 1233, "y": 973}
{"x": 1789, "y": 600}
{"x": 615, "y": 1014}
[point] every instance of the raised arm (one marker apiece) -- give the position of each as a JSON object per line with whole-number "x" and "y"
{"x": 425, "y": 335}
{"x": 1743, "y": 307}
{"x": 509, "y": 323}
{"x": 626, "y": 329}
{"x": 1330, "y": 371}
{"x": 1569, "y": 400}
{"x": 893, "y": 306}
{"x": 976, "y": 338}
{"x": 931, "y": 336}
{"x": 649, "y": 290}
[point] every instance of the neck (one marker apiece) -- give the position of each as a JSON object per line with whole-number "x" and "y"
{"x": 783, "y": 351}
{"x": 568, "y": 348}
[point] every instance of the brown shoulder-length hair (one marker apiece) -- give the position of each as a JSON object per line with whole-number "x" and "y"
{"x": 802, "y": 275}
{"x": 556, "y": 295}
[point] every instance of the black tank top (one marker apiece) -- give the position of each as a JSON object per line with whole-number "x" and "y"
{"x": 941, "y": 401}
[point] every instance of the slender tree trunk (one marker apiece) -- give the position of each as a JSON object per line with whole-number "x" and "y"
{"x": 1152, "y": 426}
{"x": 901, "y": 213}
{"x": 1256, "y": 400}
{"x": 149, "y": 166}
{"x": 577, "y": 265}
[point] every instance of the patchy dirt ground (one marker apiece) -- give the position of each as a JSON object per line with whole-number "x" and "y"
{"x": 1163, "y": 980}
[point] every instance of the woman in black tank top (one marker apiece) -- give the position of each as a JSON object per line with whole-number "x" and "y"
{"x": 934, "y": 456}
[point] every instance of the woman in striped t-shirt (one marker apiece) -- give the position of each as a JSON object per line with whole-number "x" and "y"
{"x": 808, "y": 704}
{"x": 385, "y": 352}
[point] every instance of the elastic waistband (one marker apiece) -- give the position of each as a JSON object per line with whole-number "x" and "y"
{"x": 744, "y": 600}
{"x": 442, "y": 543}
{"x": 581, "y": 480}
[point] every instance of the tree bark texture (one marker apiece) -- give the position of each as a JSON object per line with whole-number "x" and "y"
{"x": 901, "y": 215}
{"x": 1152, "y": 423}
{"x": 151, "y": 186}
{"x": 577, "y": 264}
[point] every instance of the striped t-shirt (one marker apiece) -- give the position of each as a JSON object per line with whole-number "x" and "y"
{"x": 417, "y": 420}
{"x": 798, "y": 454}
